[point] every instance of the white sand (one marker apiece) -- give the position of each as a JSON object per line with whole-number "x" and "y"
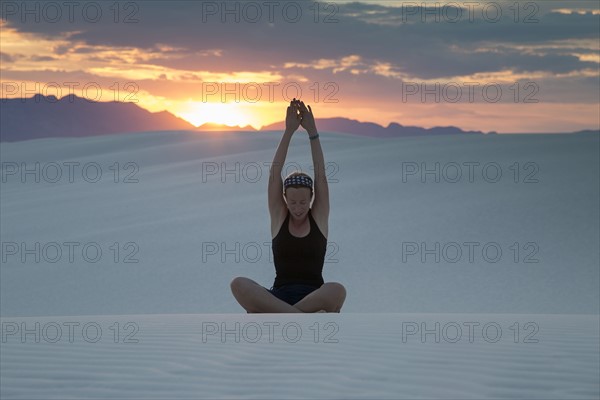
{"x": 173, "y": 215}
{"x": 351, "y": 356}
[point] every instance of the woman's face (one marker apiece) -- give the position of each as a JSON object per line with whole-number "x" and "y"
{"x": 298, "y": 201}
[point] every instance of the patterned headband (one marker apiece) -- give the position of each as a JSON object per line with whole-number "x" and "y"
{"x": 300, "y": 180}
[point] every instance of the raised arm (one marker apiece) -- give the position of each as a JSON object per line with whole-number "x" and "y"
{"x": 275, "y": 190}
{"x": 320, "y": 205}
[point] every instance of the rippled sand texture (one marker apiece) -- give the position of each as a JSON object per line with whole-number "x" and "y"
{"x": 278, "y": 356}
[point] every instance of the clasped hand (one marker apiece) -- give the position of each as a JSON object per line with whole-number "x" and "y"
{"x": 298, "y": 114}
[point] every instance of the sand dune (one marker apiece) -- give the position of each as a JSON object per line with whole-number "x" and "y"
{"x": 197, "y": 217}
{"x": 177, "y": 215}
{"x": 324, "y": 356}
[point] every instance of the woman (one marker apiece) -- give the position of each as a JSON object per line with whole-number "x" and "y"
{"x": 299, "y": 234}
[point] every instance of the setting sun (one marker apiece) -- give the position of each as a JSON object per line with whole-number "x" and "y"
{"x": 199, "y": 113}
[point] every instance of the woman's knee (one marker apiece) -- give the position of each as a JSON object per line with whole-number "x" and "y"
{"x": 240, "y": 284}
{"x": 337, "y": 288}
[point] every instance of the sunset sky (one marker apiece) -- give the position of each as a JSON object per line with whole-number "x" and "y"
{"x": 369, "y": 61}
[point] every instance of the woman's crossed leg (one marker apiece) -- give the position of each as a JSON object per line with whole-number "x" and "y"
{"x": 256, "y": 299}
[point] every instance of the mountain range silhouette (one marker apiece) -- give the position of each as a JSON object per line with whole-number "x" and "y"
{"x": 71, "y": 116}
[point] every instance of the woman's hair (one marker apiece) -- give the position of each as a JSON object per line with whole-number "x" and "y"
{"x": 298, "y": 173}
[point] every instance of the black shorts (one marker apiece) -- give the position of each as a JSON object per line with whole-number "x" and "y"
{"x": 292, "y": 292}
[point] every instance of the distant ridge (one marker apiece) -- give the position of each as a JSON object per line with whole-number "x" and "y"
{"x": 371, "y": 129}
{"x": 588, "y": 132}
{"x": 71, "y": 116}
{"x": 210, "y": 126}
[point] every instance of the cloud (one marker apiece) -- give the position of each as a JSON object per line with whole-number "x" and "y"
{"x": 367, "y": 49}
{"x": 176, "y": 33}
{"x": 7, "y": 58}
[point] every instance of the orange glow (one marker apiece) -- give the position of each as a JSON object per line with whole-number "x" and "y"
{"x": 55, "y": 65}
{"x": 230, "y": 114}
{"x": 198, "y": 113}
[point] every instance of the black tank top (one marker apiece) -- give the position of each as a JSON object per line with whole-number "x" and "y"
{"x": 299, "y": 260}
